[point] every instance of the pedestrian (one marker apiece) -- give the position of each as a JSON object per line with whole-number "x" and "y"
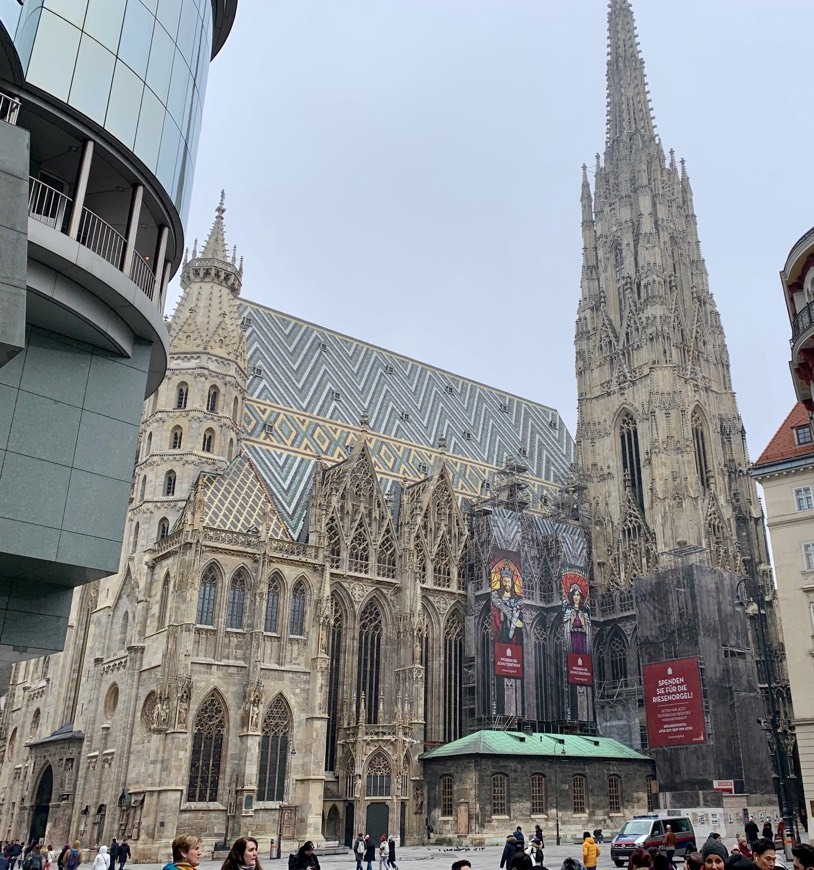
{"x": 61, "y": 856}
{"x": 693, "y": 861}
{"x": 384, "y": 851}
{"x": 102, "y": 859}
{"x": 243, "y": 855}
{"x": 4, "y": 860}
{"x": 14, "y": 853}
{"x": 509, "y": 851}
{"x": 714, "y": 853}
{"x": 781, "y": 833}
{"x": 33, "y": 860}
{"x": 538, "y": 833}
{"x": 463, "y": 864}
{"x": 571, "y": 864}
{"x": 370, "y": 852}
{"x": 535, "y": 852}
{"x": 50, "y": 856}
{"x": 359, "y": 850}
{"x": 669, "y": 844}
{"x": 660, "y": 862}
{"x": 590, "y": 851}
{"x": 124, "y": 853}
{"x": 114, "y": 853}
{"x": 304, "y": 858}
{"x": 743, "y": 846}
{"x": 391, "y": 853}
{"x": 751, "y": 830}
{"x": 767, "y": 830}
{"x": 803, "y": 856}
{"x": 73, "y": 857}
{"x": 640, "y": 859}
{"x": 521, "y": 860}
{"x": 186, "y": 852}
{"x": 763, "y": 853}
{"x": 518, "y": 835}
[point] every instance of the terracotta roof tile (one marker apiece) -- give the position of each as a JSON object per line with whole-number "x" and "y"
{"x": 784, "y": 444}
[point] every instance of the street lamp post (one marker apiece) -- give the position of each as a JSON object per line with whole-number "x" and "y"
{"x": 754, "y": 607}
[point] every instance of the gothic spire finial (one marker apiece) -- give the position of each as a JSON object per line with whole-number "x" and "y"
{"x": 628, "y": 100}
{"x": 215, "y": 246}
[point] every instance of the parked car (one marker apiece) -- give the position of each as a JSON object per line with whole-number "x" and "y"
{"x": 647, "y": 832}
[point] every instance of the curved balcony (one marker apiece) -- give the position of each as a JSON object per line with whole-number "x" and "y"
{"x": 802, "y": 353}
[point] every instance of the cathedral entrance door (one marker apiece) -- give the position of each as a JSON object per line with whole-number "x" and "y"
{"x": 349, "y": 832}
{"x": 42, "y": 805}
{"x": 378, "y": 821}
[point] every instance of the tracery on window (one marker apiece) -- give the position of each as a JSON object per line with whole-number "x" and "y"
{"x": 334, "y": 543}
{"x": 274, "y": 748}
{"x": 631, "y": 461}
{"x": 378, "y": 782}
{"x": 359, "y": 551}
{"x": 699, "y": 443}
{"x": 441, "y": 571}
{"x": 334, "y": 678}
{"x": 207, "y": 595}
{"x": 453, "y": 673}
{"x": 386, "y": 557}
{"x": 298, "y": 601}
{"x": 271, "y": 623}
{"x": 237, "y": 599}
{"x": 369, "y": 662}
{"x": 208, "y": 739}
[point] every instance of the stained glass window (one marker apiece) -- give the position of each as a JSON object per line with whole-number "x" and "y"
{"x": 207, "y": 750}
{"x": 274, "y": 752}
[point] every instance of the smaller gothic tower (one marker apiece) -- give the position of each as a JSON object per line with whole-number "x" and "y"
{"x": 192, "y": 423}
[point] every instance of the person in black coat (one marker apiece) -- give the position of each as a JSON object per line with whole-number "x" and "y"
{"x": 751, "y": 830}
{"x": 391, "y": 854}
{"x": 370, "y": 852}
{"x": 509, "y": 851}
{"x": 305, "y": 859}
{"x": 114, "y": 853}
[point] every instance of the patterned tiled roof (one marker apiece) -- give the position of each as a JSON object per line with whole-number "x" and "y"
{"x": 784, "y": 443}
{"x": 310, "y": 387}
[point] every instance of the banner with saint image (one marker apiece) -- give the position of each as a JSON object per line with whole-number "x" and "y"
{"x": 506, "y": 583}
{"x": 577, "y": 630}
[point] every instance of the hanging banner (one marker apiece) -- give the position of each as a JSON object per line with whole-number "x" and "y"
{"x": 674, "y": 703}
{"x": 507, "y": 613}
{"x": 577, "y": 631}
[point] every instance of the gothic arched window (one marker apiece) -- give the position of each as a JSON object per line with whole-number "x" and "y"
{"x": 164, "y": 602}
{"x": 207, "y": 595}
{"x": 149, "y": 446}
{"x": 169, "y": 483}
{"x": 176, "y": 438}
{"x": 386, "y": 559}
{"x": 453, "y": 673}
{"x": 181, "y": 395}
{"x": 370, "y": 660}
{"x": 143, "y": 491}
{"x": 334, "y": 677}
{"x": 296, "y": 625}
{"x": 274, "y": 751}
{"x": 124, "y": 625}
{"x": 235, "y": 410}
{"x": 540, "y": 639}
{"x": 212, "y": 399}
{"x": 599, "y": 660}
{"x": 617, "y": 657}
{"x": 134, "y": 539}
{"x": 699, "y": 443}
{"x": 208, "y": 738}
{"x": 334, "y": 543}
{"x": 237, "y": 599}
{"x": 271, "y": 623}
{"x": 485, "y": 654}
{"x": 231, "y": 451}
{"x": 208, "y": 443}
{"x": 163, "y": 528}
{"x": 631, "y": 462}
{"x": 441, "y": 571}
{"x": 379, "y": 776}
{"x": 359, "y": 551}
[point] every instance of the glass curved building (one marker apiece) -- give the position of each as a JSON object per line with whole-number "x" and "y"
{"x": 100, "y": 113}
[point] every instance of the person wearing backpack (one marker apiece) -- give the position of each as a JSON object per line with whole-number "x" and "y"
{"x": 359, "y": 850}
{"x": 33, "y": 860}
{"x": 384, "y": 853}
{"x": 535, "y": 852}
{"x": 74, "y": 857}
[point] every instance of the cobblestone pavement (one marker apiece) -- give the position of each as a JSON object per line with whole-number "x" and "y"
{"x": 434, "y": 858}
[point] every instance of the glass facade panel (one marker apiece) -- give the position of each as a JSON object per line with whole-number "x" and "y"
{"x": 125, "y": 94}
{"x": 55, "y": 47}
{"x": 9, "y": 15}
{"x": 90, "y": 90}
{"x": 166, "y": 44}
{"x": 104, "y": 22}
{"x": 70, "y": 10}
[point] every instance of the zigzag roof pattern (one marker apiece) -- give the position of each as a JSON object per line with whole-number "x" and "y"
{"x": 309, "y": 388}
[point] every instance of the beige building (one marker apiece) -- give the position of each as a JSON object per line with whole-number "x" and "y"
{"x": 785, "y": 470}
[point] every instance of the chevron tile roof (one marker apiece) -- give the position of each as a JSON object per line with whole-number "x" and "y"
{"x": 309, "y": 387}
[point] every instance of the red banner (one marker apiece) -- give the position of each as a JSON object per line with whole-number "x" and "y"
{"x": 674, "y": 703}
{"x": 580, "y": 669}
{"x": 508, "y": 660}
{"x": 506, "y": 583}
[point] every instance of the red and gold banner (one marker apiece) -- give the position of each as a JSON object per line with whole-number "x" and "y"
{"x": 506, "y": 582}
{"x": 577, "y": 626}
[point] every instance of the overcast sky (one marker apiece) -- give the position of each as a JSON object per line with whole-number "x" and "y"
{"x": 408, "y": 171}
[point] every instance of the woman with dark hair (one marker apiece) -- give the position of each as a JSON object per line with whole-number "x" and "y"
{"x": 641, "y": 859}
{"x": 242, "y": 855}
{"x": 577, "y": 619}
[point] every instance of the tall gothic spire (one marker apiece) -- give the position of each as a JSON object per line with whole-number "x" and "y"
{"x": 215, "y": 246}
{"x": 628, "y": 101}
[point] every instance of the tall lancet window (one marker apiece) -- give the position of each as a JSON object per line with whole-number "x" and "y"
{"x": 453, "y": 678}
{"x": 368, "y": 667}
{"x": 631, "y": 461}
{"x": 274, "y": 752}
{"x": 208, "y": 739}
{"x": 334, "y": 682}
{"x": 699, "y": 443}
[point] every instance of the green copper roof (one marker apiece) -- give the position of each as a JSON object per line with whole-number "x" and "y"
{"x": 537, "y": 745}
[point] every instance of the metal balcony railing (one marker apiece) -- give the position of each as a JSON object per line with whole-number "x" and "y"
{"x": 9, "y": 108}
{"x": 51, "y": 207}
{"x": 803, "y": 321}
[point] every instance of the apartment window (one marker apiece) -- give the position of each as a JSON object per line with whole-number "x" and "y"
{"x": 446, "y": 795}
{"x": 804, "y": 498}
{"x": 808, "y": 555}
{"x": 538, "y": 794}
{"x": 578, "y": 793}
{"x": 500, "y": 794}
{"x": 614, "y": 793}
{"x": 802, "y": 435}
